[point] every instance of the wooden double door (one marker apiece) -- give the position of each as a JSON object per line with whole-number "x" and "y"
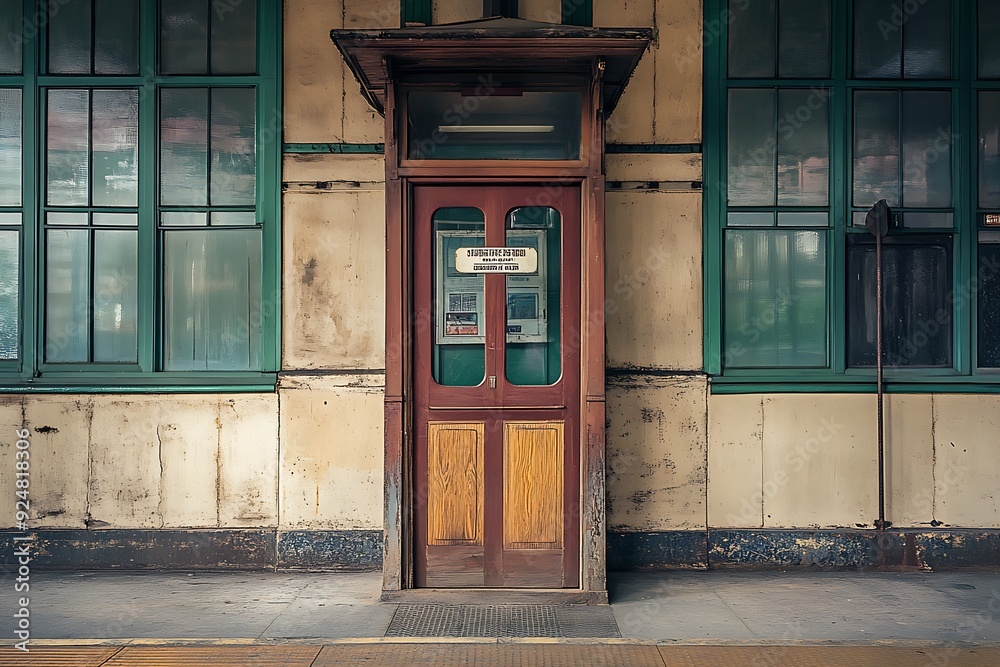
{"x": 496, "y": 335}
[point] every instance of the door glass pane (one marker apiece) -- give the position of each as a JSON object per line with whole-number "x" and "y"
{"x": 876, "y": 147}
{"x": 69, "y": 37}
{"x": 458, "y": 356}
{"x": 116, "y": 300}
{"x": 234, "y": 37}
{"x": 116, "y": 147}
{"x": 775, "y": 299}
{"x": 917, "y": 323}
{"x": 10, "y": 147}
{"x": 804, "y": 38}
{"x": 184, "y": 26}
{"x": 752, "y": 147}
{"x": 67, "y": 296}
{"x": 10, "y": 262}
{"x": 989, "y": 149}
{"x": 878, "y": 40}
{"x": 68, "y": 148}
{"x": 752, "y": 42}
{"x": 927, "y": 138}
{"x": 803, "y": 147}
{"x": 989, "y": 45}
{"x": 184, "y": 146}
{"x": 927, "y": 40}
{"x": 11, "y": 48}
{"x": 989, "y": 301}
{"x": 533, "y": 352}
{"x": 211, "y": 300}
{"x": 116, "y": 37}
{"x": 233, "y": 151}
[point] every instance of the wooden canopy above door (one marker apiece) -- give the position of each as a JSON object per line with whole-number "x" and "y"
{"x": 380, "y": 57}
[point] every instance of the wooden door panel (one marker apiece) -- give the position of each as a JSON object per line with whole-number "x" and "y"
{"x": 533, "y": 485}
{"x": 455, "y": 483}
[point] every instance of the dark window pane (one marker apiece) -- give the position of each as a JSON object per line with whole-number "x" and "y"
{"x": 116, "y": 296}
{"x": 876, "y": 147}
{"x": 752, "y": 147}
{"x": 10, "y": 260}
{"x": 67, "y": 296}
{"x": 878, "y": 39}
{"x": 989, "y": 304}
{"x": 804, "y": 38}
{"x": 233, "y": 149}
{"x": 116, "y": 37}
{"x": 184, "y": 146}
{"x": 775, "y": 299}
{"x": 927, "y": 40}
{"x": 989, "y": 45}
{"x": 989, "y": 149}
{"x": 211, "y": 300}
{"x": 234, "y": 37}
{"x": 10, "y": 147}
{"x": 69, "y": 37}
{"x": 917, "y": 323}
{"x": 752, "y": 38}
{"x": 12, "y": 41}
{"x": 927, "y": 138}
{"x": 68, "y": 148}
{"x": 116, "y": 147}
{"x": 803, "y": 147}
{"x": 184, "y": 36}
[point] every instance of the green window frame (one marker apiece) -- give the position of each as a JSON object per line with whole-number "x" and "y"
{"x": 932, "y": 59}
{"x": 140, "y": 195}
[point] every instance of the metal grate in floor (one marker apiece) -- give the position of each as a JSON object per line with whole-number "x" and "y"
{"x": 505, "y": 620}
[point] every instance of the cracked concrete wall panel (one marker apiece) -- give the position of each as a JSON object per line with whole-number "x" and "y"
{"x": 654, "y": 167}
{"x": 909, "y": 452}
{"x": 450, "y": 11}
{"x": 189, "y": 455}
{"x": 966, "y": 465}
{"x": 248, "y": 461}
{"x": 125, "y": 461}
{"x": 653, "y": 280}
{"x": 319, "y": 167}
{"x": 334, "y": 280}
{"x": 546, "y": 11}
{"x": 820, "y": 461}
{"x": 314, "y": 72}
{"x": 735, "y": 435}
{"x": 656, "y": 448}
{"x": 10, "y": 419}
{"x": 362, "y": 124}
{"x": 331, "y": 458}
{"x": 677, "y": 94}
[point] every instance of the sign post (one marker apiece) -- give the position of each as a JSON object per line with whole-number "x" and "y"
{"x": 877, "y": 222}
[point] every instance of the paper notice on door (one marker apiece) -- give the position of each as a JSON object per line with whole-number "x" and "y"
{"x": 461, "y": 324}
{"x": 496, "y": 260}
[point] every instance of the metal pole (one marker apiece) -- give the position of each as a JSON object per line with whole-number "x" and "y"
{"x": 878, "y": 380}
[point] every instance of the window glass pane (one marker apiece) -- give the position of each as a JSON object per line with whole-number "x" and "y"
{"x": 927, "y": 40}
{"x": 233, "y": 150}
{"x": 475, "y": 124}
{"x": 878, "y": 39}
{"x": 751, "y": 219}
{"x": 876, "y": 147}
{"x": 803, "y": 147}
{"x": 183, "y": 219}
{"x": 989, "y": 45}
{"x": 10, "y": 262}
{"x": 927, "y": 220}
{"x": 116, "y": 37}
{"x": 211, "y": 300}
{"x": 234, "y": 37}
{"x": 69, "y": 43}
{"x": 989, "y": 149}
{"x": 12, "y": 44}
{"x": 775, "y": 299}
{"x": 752, "y": 38}
{"x": 67, "y": 296}
{"x": 234, "y": 218}
{"x": 752, "y": 147}
{"x": 184, "y": 146}
{"x": 927, "y": 138}
{"x": 804, "y": 38}
{"x": 533, "y": 352}
{"x": 68, "y": 143}
{"x": 66, "y": 218}
{"x": 803, "y": 219}
{"x": 459, "y": 354}
{"x": 10, "y": 147}
{"x": 116, "y": 219}
{"x": 116, "y": 147}
{"x": 917, "y": 322}
{"x": 116, "y": 312}
{"x": 989, "y": 303}
{"x": 184, "y": 26}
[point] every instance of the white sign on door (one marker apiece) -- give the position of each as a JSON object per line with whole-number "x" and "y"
{"x": 496, "y": 260}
